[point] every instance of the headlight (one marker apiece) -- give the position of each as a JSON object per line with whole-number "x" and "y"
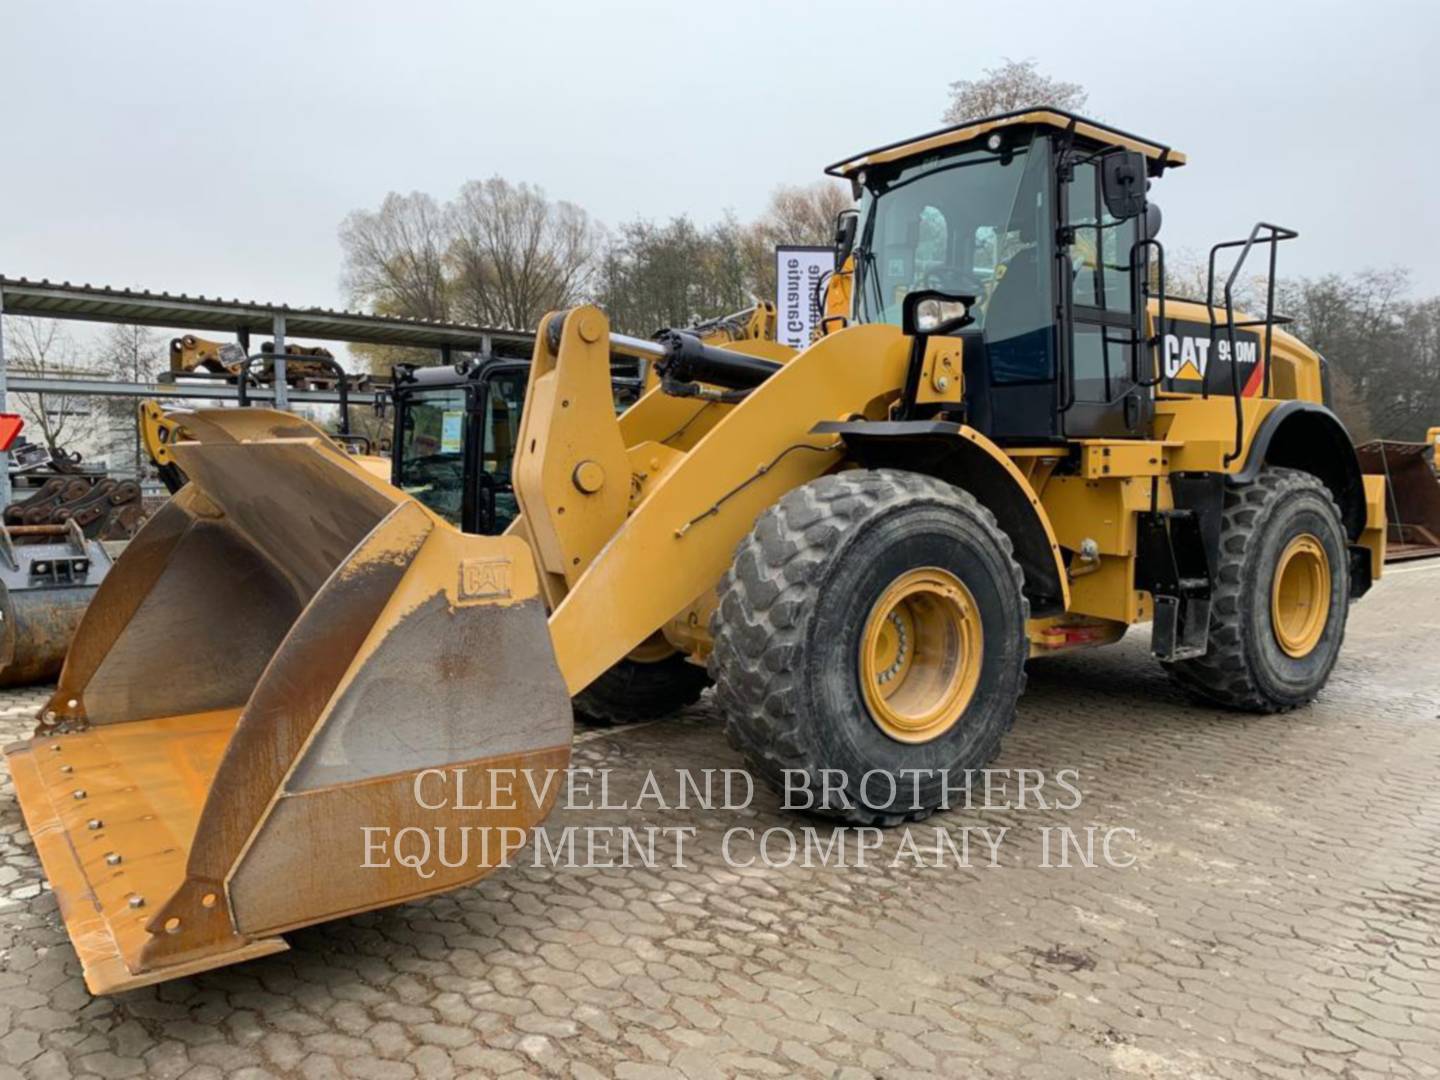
{"x": 932, "y": 314}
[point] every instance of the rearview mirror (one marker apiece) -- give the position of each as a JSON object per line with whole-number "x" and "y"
{"x": 932, "y": 313}
{"x": 846, "y": 222}
{"x": 1122, "y": 183}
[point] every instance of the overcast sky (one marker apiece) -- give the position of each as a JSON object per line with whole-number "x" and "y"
{"x": 214, "y": 147}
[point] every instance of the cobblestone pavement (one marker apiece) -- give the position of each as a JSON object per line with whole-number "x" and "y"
{"x": 1281, "y": 918}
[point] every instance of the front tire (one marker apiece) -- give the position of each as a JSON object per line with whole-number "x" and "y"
{"x": 636, "y": 690}
{"x": 872, "y": 625}
{"x": 1281, "y": 596}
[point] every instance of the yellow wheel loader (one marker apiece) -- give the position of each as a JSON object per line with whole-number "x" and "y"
{"x": 1010, "y": 446}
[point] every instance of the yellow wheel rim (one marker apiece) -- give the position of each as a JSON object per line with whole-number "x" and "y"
{"x": 920, "y": 655}
{"x": 1300, "y": 596}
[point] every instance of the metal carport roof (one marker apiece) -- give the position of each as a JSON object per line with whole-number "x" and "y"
{"x": 95, "y": 303}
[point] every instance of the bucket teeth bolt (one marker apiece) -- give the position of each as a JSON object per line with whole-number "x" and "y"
{"x": 137, "y": 901}
{"x": 113, "y": 859}
{"x": 67, "y": 768}
{"x": 94, "y": 823}
{"x": 79, "y": 793}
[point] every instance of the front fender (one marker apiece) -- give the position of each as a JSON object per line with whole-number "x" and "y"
{"x": 964, "y": 457}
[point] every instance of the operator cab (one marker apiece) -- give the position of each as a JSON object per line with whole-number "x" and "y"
{"x": 1038, "y": 218}
{"x": 455, "y": 429}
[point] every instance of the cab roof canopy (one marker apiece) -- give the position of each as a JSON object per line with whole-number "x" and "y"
{"x": 1160, "y": 156}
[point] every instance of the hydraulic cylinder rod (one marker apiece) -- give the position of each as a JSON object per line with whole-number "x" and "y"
{"x": 688, "y": 359}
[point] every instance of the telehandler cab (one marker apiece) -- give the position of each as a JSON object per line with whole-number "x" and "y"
{"x": 1012, "y": 444}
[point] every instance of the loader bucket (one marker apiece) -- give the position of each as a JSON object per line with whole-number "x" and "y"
{"x": 48, "y": 575}
{"x": 287, "y": 669}
{"x": 1412, "y": 496}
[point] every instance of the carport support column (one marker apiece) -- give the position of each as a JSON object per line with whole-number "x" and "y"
{"x": 282, "y": 391}
{"x": 4, "y": 404}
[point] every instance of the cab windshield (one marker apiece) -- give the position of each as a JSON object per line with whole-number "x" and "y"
{"x": 432, "y": 449}
{"x": 974, "y": 223}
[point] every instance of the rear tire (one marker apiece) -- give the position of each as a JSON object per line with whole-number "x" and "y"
{"x": 812, "y": 672}
{"x": 633, "y": 691}
{"x": 1268, "y": 650}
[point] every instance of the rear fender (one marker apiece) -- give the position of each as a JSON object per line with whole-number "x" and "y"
{"x": 1310, "y": 438}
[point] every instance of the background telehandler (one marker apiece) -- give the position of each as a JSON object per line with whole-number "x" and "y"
{"x": 1010, "y": 446}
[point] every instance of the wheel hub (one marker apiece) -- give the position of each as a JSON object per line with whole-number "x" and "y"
{"x": 1300, "y": 595}
{"x": 920, "y": 655}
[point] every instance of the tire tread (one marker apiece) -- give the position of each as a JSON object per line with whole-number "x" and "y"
{"x": 1224, "y": 675}
{"x": 775, "y": 576}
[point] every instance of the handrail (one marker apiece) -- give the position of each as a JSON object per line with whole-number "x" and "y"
{"x": 1155, "y": 339}
{"x": 1277, "y": 233}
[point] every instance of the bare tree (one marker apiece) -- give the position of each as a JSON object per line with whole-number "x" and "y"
{"x": 1383, "y": 347}
{"x": 804, "y": 214}
{"x": 1015, "y": 84}
{"x": 1350, "y": 405}
{"x": 41, "y": 348}
{"x": 499, "y": 254}
{"x": 1187, "y": 275}
{"x": 515, "y": 254}
{"x": 394, "y": 257}
{"x": 130, "y": 353}
{"x": 795, "y": 215}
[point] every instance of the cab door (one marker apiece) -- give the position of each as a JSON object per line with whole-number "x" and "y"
{"x": 432, "y": 449}
{"x": 1102, "y": 399}
{"x": 499, "y": 400}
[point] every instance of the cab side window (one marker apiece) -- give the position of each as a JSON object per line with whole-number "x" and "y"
{"x": 1100, "y": 255}
{"x": 1103, "y": 291}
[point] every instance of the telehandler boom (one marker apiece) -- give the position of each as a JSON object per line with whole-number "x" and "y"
{"x": 1011, "y": 445}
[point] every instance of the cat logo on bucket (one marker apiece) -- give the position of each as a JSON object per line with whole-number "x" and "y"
{"x": 1188, "y": 352}
{"x": 484, "y": 579}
